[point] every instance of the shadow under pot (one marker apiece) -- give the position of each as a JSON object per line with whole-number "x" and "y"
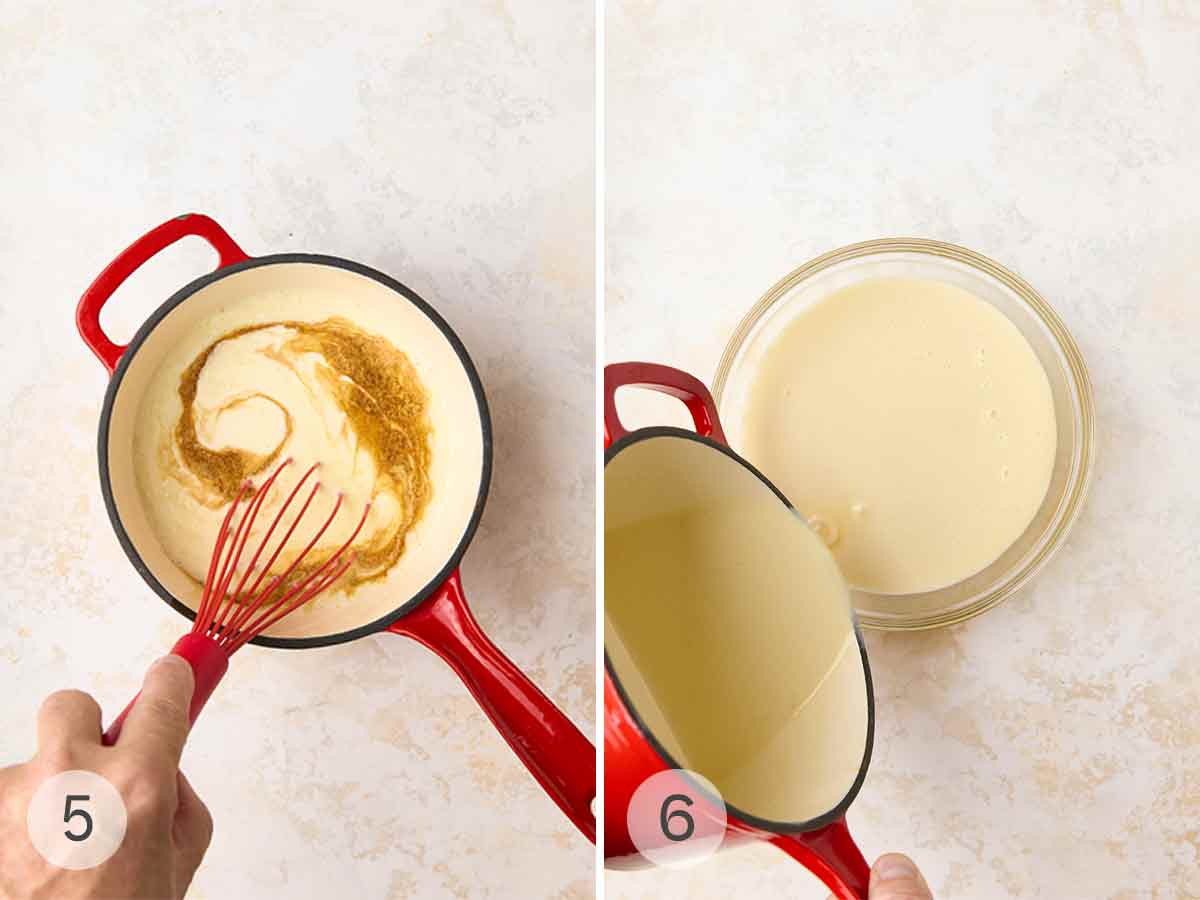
{"x": 422, "y": 595}
{"x": 731, "y": 652}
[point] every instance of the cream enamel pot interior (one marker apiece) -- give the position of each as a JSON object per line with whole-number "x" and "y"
{"x": 685, "y": 681}
{"x": 421, "y": 595}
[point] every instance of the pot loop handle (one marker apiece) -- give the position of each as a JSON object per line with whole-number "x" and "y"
{"x": 87, "y": 314}
{"x": 665, "y": 380}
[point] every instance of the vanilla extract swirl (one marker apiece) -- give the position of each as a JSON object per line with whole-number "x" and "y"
{"x": 381, "y": 410}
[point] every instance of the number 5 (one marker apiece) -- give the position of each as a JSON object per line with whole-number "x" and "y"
{"x": 69, "y": 814}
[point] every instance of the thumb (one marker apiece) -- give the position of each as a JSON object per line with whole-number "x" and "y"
{"x": 895, "y": 877}
{"x": 158, "y": 726}
{"x": 193, "y": 831}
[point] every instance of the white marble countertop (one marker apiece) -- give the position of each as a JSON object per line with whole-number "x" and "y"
{"x": 448, "y": 146}
{"x": 1050, "y": 748}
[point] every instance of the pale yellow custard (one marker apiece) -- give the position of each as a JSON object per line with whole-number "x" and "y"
{"x": 728, "y": 626}
{"x": 311, "y": 391}
{"x": 912, "y": 423}
{"x": 311, "y": 360}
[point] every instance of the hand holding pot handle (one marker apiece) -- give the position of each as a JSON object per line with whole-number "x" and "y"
{"x": 895, "y": 877}
{"x": 87, "y": 314}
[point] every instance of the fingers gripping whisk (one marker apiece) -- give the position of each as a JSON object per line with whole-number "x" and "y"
{"x": 240, "y": 602}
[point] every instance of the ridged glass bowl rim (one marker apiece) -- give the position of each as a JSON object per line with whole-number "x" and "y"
{"x": 1081, "y": 388}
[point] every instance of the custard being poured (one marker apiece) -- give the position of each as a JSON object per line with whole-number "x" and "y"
{"x": 913, "y": 425}
{"x": 314, "y": 391}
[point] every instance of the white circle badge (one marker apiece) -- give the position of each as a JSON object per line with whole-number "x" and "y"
{"x": 76, "y": 820}
{"x": 676, "y": 818}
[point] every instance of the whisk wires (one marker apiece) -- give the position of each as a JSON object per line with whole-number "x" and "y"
{"x": 234, "y": 617}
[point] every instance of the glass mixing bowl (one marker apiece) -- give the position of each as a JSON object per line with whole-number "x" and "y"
{"x": 1025, "y": 308}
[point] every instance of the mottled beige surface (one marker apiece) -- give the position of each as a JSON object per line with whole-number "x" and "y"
{"x": 447, "y": 144}
{"x": 1051, "y": 748}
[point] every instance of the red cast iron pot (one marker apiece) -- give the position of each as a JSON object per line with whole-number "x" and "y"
{"x": 436, "y": 614}
{"x": 632, "y": 754}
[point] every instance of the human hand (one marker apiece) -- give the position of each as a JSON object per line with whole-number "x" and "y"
{"x": 895, "y": 877}
{"x": 169, "y": 827}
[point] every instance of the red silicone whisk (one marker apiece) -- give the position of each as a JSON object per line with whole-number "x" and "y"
{"x": 228, "y": 619}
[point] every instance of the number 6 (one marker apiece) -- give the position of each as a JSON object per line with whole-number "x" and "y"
{"x": 664, "y": 818}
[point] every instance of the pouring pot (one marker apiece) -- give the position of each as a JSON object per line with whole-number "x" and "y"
{"x": 634, "y": 750}
{"x": 424, "y": 599}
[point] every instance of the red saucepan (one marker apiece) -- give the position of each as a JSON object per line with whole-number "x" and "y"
{"x": 424, "y": 597}
{"x": 696, "y": 676}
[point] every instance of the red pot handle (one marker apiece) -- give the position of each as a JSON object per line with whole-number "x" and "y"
{"x": 556, "y": 753}
{"x": 209, "y": 663}
{"x": 666, "y": 380}
{"x": 831, "y": 854}
{"x": 87, "y": 314}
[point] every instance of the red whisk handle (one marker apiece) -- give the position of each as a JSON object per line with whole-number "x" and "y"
{"x": 209, "y": 663}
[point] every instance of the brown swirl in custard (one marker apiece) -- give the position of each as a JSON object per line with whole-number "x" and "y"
{"x": 376, "y": 388}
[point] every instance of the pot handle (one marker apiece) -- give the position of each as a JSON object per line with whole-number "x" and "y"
{"x": 556, "y": 753}
{"x": 87, "y": 314}
{"x": 666, "y": 380}
{"x": 831, "y": 854}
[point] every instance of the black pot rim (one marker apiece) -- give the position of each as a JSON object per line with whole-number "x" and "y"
{"x": 338, "y": 263}
{"x": 838, "y": 811}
